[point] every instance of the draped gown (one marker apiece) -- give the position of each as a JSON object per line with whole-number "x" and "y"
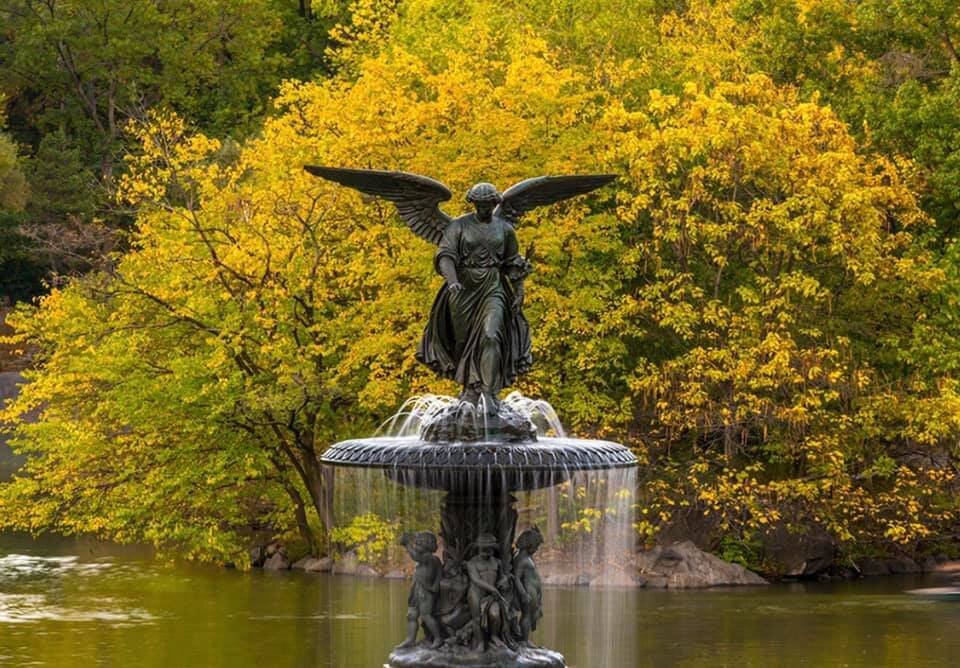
{"x": 476, "y": 337}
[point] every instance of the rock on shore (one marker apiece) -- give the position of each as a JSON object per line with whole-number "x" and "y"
{"x": 684, "y": 566}
{"x": 313, "y": 565}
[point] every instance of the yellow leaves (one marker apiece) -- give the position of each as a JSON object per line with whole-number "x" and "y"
{"x": 366, "y": 31}
{"x": 369, "y": 535}
{"x": 660, "y": 104}
{"x": 169, "y": 155}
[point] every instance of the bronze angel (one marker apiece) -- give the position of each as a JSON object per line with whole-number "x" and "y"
{"x": 477, "y": 333}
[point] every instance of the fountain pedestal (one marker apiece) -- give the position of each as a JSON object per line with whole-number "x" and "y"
{"x": 465, "y": 520}
{"x": 476, "y": 604}
{"x": 526, "y": 657}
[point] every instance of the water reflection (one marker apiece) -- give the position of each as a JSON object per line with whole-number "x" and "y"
{"x": 90, "y": 609}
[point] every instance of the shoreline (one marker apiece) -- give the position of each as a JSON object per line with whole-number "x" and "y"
{"x": 674, "y": 567}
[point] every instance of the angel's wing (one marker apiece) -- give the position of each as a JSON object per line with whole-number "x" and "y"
{"x": 416, "y": 197}
{"x": 542, "y": 190}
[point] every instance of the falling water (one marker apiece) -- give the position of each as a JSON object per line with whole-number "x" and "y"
{"x": 587, "y": 521}
{"x": 586, "y": 517}
{"x": 539, "y": 412}
{"x": 422, "y": 409}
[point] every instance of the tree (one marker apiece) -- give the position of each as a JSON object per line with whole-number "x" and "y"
{"x": 889, "y": 68}
{"x": 752, "y": 307}
{"x": 774, "y": 276}
{"x": 90, "y": 67}
{"x": 13, "y": 184}
{"x": 62, "y": 220}
{"x": 19, "y": 275}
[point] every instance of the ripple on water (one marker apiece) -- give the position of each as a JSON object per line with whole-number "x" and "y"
{"x": 321, "y": 617}
{"x": 25, "y": 607}
{"x": 28, "y": 608}
{"x": 26, "y": 566}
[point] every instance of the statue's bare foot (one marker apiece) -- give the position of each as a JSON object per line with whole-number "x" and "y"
{"x": 409, "y": 642}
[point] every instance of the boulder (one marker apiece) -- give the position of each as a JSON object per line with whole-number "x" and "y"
{"x": 313, "y": 564}
{"x": 396, "y": 574}
{"x": 321, "y": 565}
{"x": 804, "y": 553}
{"x": 258, "y": 555}
{"x": 899, "y": 565}
{"x": 566, "y": 579}
{"x": 871, "y": 566}
{"x": 277, "y": 562}
{"x": 948, "y": 567}
{"x": 616, "y": 578}
{"x": 366, "y": 571}
{"x": 689, "y": 524}
{"x": 684, "y": 566}
{"x": 902, "y": 565}
{"x": 346, "y": 565}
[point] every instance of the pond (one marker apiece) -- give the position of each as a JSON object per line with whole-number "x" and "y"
{"x": 79, "y": 603}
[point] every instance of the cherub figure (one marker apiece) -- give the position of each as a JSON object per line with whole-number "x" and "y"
{"x": 527, "y": 580}
{"x": 488, "y": 606}
{"x": 426, "y": 587}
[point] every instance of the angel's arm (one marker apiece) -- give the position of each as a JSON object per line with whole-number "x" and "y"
{"x": 447, "y": 257}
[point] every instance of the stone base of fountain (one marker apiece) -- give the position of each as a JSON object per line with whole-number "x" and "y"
{"x": 464, "y": 422}
{"x": 422, "y": 656}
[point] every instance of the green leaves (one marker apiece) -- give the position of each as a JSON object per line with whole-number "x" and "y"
{"x": 760, "y": 303}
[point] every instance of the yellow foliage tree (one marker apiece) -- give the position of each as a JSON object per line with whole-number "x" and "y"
{"x": 733, "y": 311}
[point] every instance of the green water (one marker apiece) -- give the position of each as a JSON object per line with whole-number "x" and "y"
{"x": 75, "y": 603}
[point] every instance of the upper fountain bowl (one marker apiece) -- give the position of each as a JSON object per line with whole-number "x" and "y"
{"x": 470, "y": 466}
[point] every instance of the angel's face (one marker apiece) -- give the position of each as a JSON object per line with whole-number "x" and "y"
{"x": 484, "y": 210}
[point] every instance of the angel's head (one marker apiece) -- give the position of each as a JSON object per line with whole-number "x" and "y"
{"x": 485, "y": 197}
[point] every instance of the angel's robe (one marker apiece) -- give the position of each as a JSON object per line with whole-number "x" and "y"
{"x": 475, "y": 336}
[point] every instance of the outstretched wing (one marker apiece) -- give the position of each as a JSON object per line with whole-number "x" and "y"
{"x": 416, "y": 197}
{"x": 542, "y": 190}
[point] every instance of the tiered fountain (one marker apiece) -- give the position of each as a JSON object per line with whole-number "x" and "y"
{"x": 478, "y": 602}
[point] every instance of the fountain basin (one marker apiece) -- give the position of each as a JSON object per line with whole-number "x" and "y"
{"x": 523, "y": 657}
{"x": 480, "y": 466}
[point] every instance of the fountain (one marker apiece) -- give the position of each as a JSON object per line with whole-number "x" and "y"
{"x": 478, "y": 604}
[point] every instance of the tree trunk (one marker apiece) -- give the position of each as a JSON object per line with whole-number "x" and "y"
{"x": 303, "y": 525}
{"x": 319, "y": 481}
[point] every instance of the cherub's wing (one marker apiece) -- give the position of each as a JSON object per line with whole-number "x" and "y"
{"x": 542, "y": 190}
{"x": 416, "y": 197}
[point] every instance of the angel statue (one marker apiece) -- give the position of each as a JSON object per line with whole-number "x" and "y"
{"x": 477, "y": 333}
